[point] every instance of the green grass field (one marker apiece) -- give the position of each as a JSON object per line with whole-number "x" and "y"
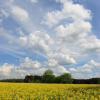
{"x": 31, "y": 91}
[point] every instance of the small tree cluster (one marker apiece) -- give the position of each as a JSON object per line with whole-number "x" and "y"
{"x": 49, "y": 77}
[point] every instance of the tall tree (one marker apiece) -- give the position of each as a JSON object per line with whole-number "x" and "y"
{"x": 65, "y": 78}
{"x": 29, "y": 78}
{"x": 48, "y": 77}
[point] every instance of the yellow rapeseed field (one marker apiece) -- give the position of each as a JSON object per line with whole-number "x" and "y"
{"x": 31, "y": 91}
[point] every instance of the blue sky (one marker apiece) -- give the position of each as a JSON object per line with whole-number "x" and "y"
{"x": 94, "y": 6}
{"x": 61, "y": 35}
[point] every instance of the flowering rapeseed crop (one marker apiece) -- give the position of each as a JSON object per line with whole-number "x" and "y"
{"x": 31, "y": 91}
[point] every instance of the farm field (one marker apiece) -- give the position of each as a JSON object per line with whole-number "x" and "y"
{"x": 37, "y": 91}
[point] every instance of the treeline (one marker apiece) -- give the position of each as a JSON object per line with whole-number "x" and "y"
{"x": 87, "y": 81}
{"x": 49, "y": 77}
{"x": 13, "y": 80}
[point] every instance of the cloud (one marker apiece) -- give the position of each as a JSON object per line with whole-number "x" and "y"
{"x": 66, "y": 40}
{"x": 44, "y": 43}
{"x": 6, "y": 35}
{"x": 62, "y": 59}
{"x": 3, "y": 15}
{"x": 27, "y": 66}
{"x": 73, "y": 28}
{"x": 21, "y": 16}
{"x": 70, "y": 11}
{"x": 59, "y": 70}
{"x": 9, "y": 44}
{"x": 5, "y": 70}
{"x": 19, "y": 13}
{"x": 39, "y": 41}
{"x": 77, "y": 28}
{"x": 91, "y": 44}
{"x": 28, "y": 63}
{"x": 33, "y": 1}
{"x": 11, "y": 0}
{"x": 88, "y": 70}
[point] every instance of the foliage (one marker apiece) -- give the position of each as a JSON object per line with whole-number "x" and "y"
{"x": 48, "y": 77}
{"x": 29, "y": 79}
{"x": 48, "y": 72}
{"x": 13, "y": 80}
{"x": 65, "y": 78}
{"x": 87, "y": 81}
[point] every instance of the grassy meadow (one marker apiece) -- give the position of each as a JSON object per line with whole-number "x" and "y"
{"x": 37, "y": 91}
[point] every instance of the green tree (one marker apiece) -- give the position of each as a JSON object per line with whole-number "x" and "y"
{"x": 64, "y": 78}
{"x": 29, "y": 79}
{"x": 48, "y": 77}
{"x": 48, "y": 72}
